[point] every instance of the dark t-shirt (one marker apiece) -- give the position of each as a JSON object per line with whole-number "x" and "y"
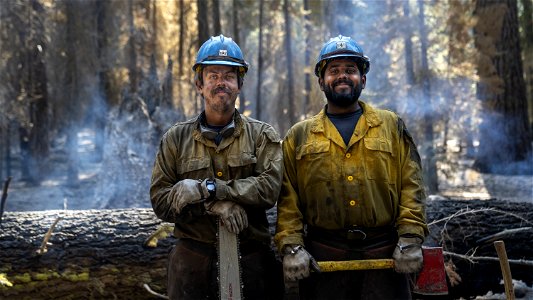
{"x": 345, "y": 123}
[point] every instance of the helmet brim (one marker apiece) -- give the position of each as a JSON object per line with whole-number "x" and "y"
{"x": 356, "y": 57}
{"x": 220, "y": 62}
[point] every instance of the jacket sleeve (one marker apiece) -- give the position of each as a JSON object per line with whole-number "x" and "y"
{"x": 164, "y": 177}
{"x": 289, "y": 229}
{"x": 261, "y": 190}
{"x": 412, "y": 215}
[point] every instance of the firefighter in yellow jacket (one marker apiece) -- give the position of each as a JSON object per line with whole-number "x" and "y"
{"x": 352, "y": 189}
{"x": 218, "y": 165}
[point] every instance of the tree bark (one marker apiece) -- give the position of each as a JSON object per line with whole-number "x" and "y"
{"x": 237, "y": 39}
{"x": 203, "y": 25}
{"x": 307, "y": 59}
{"x": 526, "y": 21}
{"x": 408, "y": 44}
{"x": 258, "y": 108}
{"x": 288, "y": 54}
{"x": 216, "y": 17}
{"x": 132, "y": 52}
{"x": 428, "y": 153}
{"x": 505, "y": 133}
{"x": 92, "y": 254}
{"x": 181, "y": 21}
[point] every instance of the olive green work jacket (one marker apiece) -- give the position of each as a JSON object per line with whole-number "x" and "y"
{"x": 373, "y": 181}
{"x": 247, "y": 167}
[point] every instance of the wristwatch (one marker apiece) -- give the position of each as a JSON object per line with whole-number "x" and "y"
{"x": 211, "y": 188}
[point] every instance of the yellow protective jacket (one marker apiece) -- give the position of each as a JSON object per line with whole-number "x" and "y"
{"x": 247, "y": 167}
{"x": 373, "y": 181}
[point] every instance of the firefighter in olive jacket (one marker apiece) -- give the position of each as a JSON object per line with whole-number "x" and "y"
{"x": 224, "y": 165}
{"x": 352, "y": 189}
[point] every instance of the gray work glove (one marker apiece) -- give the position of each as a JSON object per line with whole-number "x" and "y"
{"x": 408, "y": 255}
{"x": 233, "y": 216}
{"x": 297, "y": 263}
{"x": 188, "y": 191}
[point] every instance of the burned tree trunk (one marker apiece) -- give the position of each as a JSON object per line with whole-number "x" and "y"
{"x": 90, "y": 254}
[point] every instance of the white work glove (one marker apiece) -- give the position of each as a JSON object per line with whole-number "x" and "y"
{"x": 408, "y": 255}
{"x": 233, "y": 216}
{"x": 188, "y": 191}
{"x": 297, "y": 263}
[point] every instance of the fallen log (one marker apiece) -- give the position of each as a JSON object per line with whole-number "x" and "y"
{"x": 107, "y": 254}
{"x": 89, "y": 254}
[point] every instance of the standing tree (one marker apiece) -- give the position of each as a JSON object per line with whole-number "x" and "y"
{"x": 526, "y": 21}
{"x": 307, "y": 58}
{"x": 258, "y": 108}
{"x": 237, "y": 39}
{"x": 408, "y": 46}
{"x": 72, "y": 108}
{"x": 24, "y": 86}
{"x": 288, "y": 54}
{"x": 505, "y": 134}
{"x": 216, "y": 17}
{"x": 181, "y": 21}
{"x": 203, "y": 23}
{"x": 132, "y": 53}
{"x": 34, "y": 85}
{"x": 203, "y": 35}
{"x": 428, "y": 152}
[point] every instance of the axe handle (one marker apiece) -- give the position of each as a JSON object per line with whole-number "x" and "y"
{"x": 354, "y": 265}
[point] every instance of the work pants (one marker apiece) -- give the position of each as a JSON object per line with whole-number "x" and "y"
{"x": 192, "y": 271}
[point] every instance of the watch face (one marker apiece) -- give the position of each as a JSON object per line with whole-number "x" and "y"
{"x": 210, "y": 186}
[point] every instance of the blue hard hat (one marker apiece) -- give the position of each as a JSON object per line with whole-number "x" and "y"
{"x": 220, "y": 50}
{"x": 342, "y": 46}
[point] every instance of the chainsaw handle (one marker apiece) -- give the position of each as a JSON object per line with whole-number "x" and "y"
{"x": 355, "y": 265}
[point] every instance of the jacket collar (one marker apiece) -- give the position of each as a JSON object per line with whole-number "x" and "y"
{"x": 370, "y": 115}
{"x": 239, "y": 125}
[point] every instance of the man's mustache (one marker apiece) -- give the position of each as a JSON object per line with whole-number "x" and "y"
{"x": 342, "y": 81}
{"x": 221, "y": 89}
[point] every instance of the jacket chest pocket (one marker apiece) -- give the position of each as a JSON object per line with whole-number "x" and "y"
{"x": 314, "y": 162}
{"x": 378, "y": 159}
{"x": 196, "y": 167}
{"x": 242, "y": 165}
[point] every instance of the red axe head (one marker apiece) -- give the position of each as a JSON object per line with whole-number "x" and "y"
{"x": 432, "y": 278}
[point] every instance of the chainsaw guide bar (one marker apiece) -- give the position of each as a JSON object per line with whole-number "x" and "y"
{"x": 229, "y": 267}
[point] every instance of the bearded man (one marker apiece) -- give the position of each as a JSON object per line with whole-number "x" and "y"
{"x": 352, "y": 189}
